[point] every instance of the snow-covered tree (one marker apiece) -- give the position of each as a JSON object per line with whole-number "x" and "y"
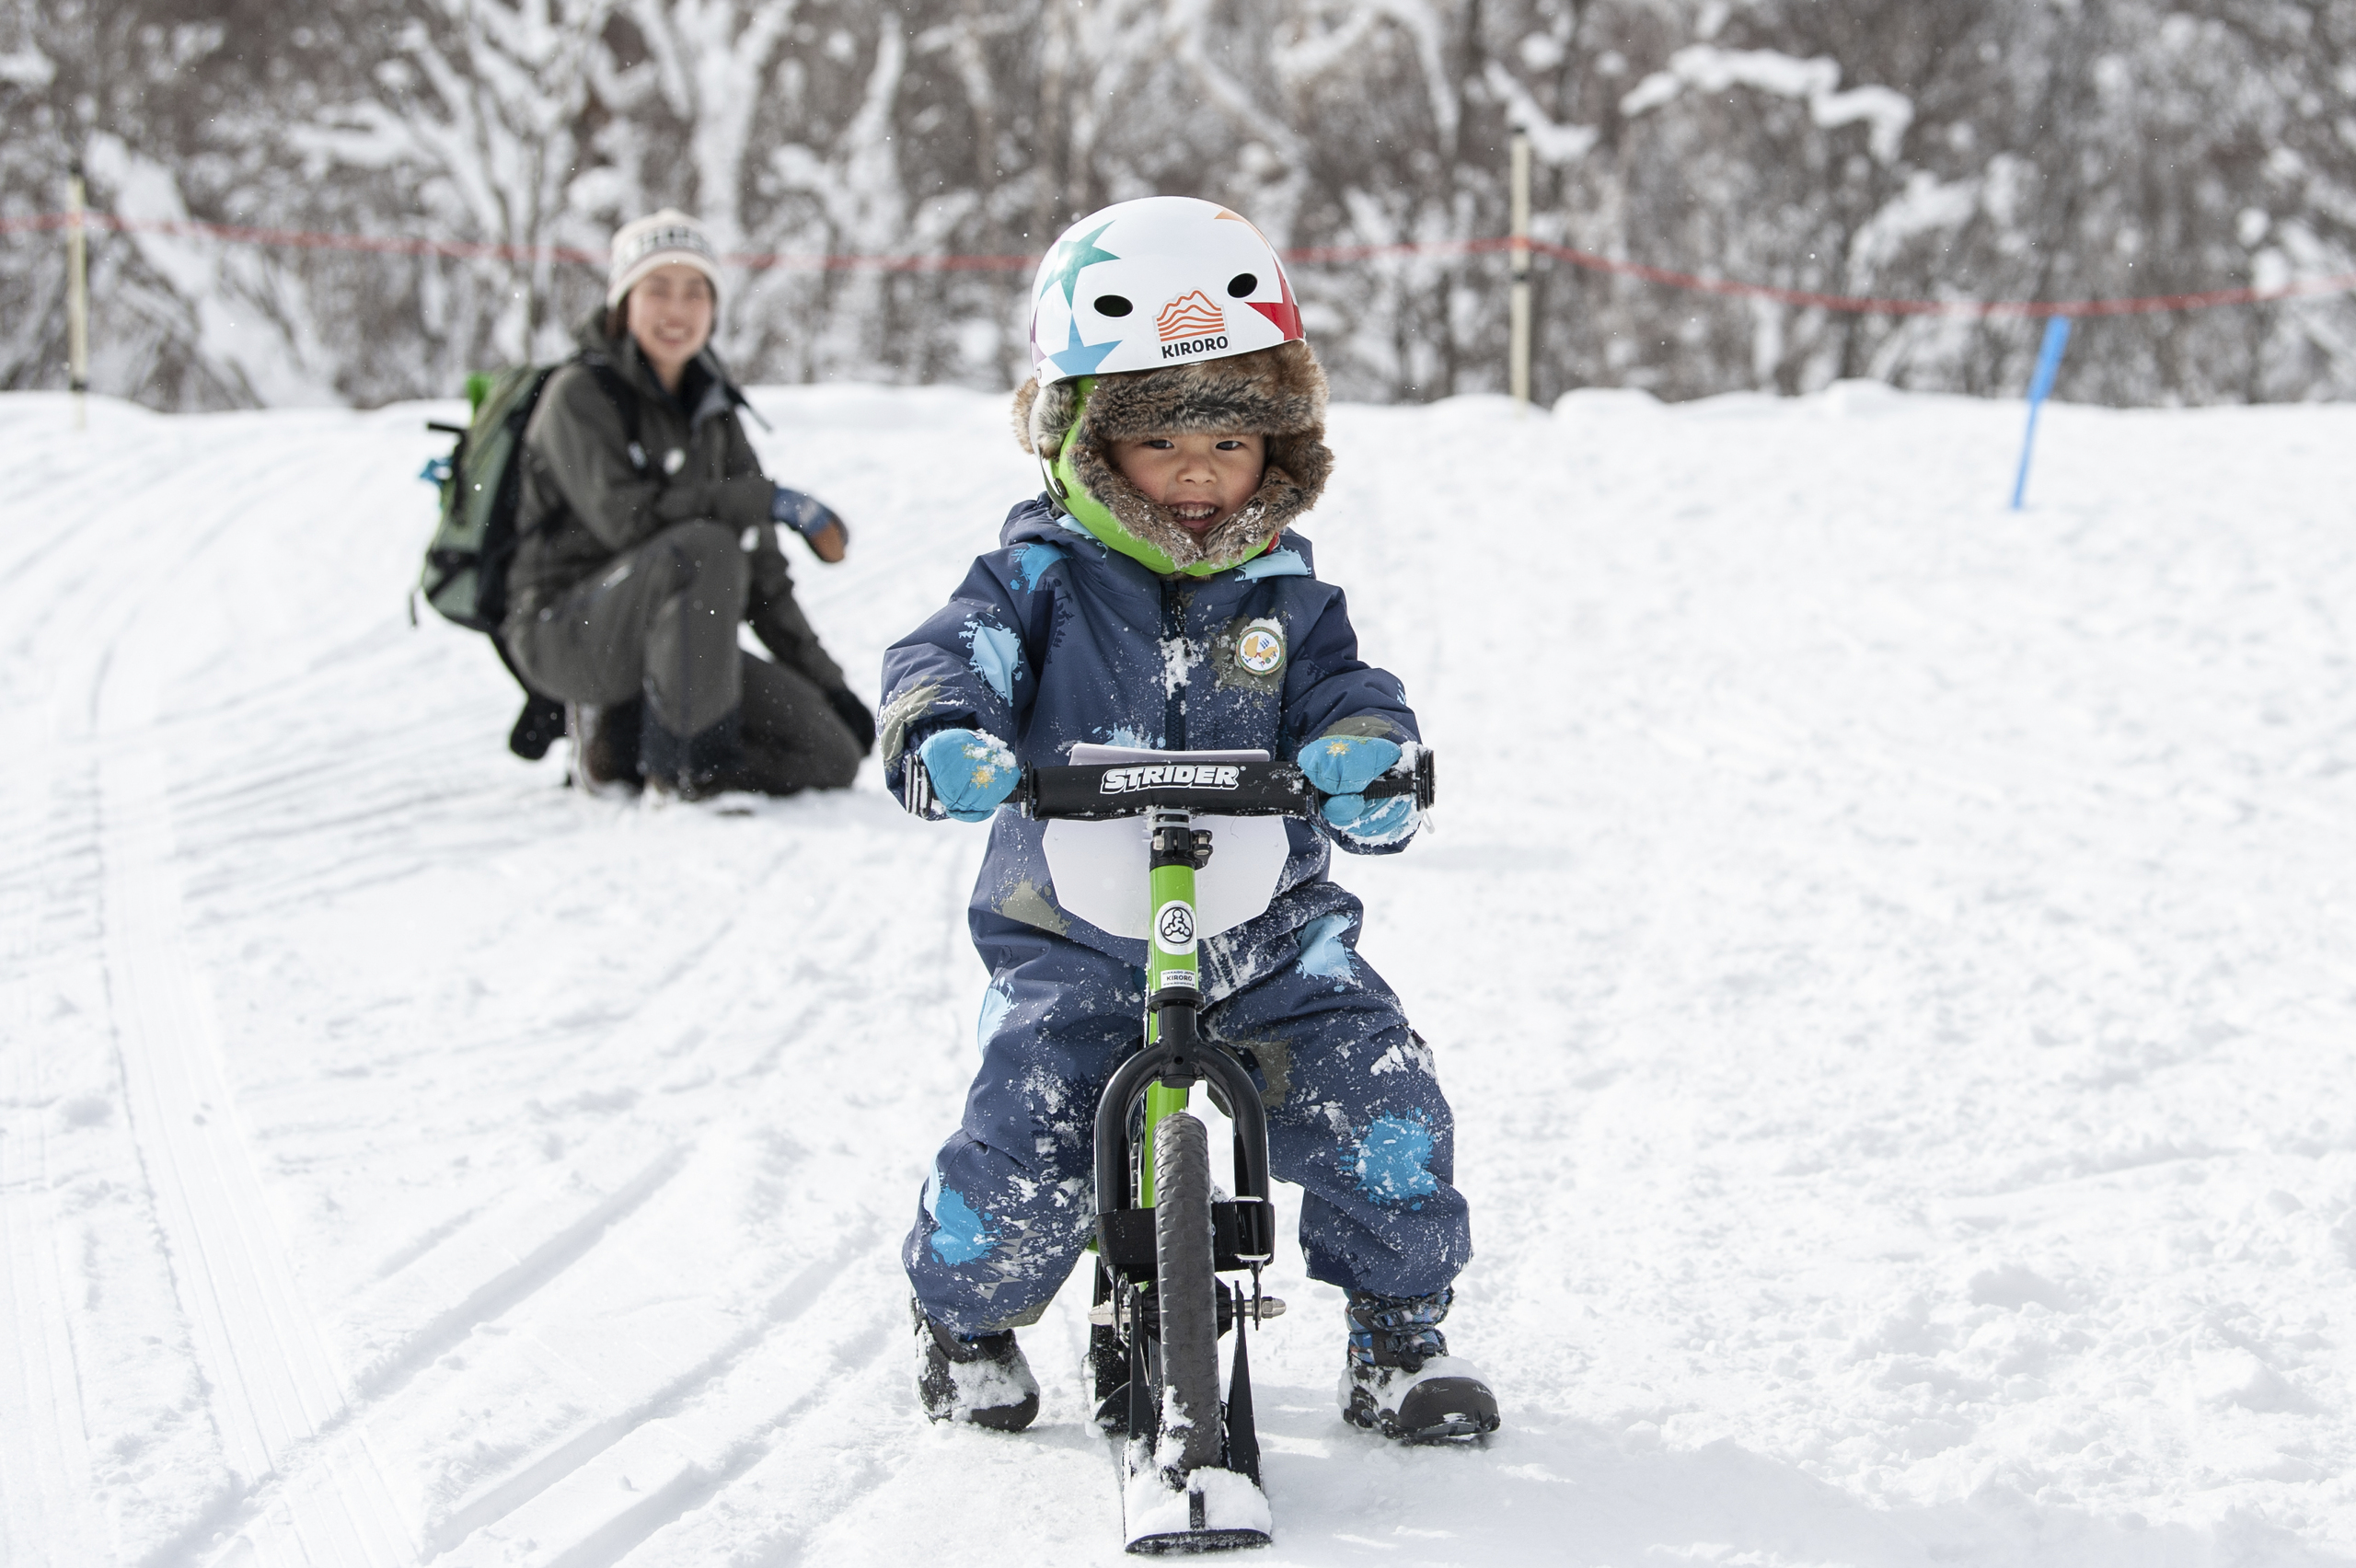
{"x": 2010, "y": 150}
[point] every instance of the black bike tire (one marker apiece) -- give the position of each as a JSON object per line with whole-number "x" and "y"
{"x": 1186, "y": 1296}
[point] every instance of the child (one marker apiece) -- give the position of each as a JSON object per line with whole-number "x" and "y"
{"x": 1155, "y": 598}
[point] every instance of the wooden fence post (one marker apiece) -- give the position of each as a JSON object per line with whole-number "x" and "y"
{"x": 1517, "y": 374}
{"x": 78, "y": 297}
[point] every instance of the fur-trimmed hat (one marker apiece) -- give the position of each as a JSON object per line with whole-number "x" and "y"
{"x": 659, "y": 240}
{"x": 1277, "y": 393}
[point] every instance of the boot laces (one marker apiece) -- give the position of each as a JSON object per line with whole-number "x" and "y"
{"x": 1397, "y": 1330}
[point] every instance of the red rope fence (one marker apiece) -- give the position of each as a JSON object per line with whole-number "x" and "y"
{"x": 234, "y": 234}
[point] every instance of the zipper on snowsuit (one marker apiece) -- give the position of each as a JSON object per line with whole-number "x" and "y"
{"x": 1174, "y": 601}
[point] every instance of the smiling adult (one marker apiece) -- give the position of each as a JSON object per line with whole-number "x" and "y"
{"x": 648, "y": 533}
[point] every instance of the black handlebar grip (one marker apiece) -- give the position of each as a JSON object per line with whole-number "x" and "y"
{"x": 1418, "y": 782}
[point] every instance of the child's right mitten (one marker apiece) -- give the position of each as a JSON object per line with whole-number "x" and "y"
{"x": 972, "y": 773}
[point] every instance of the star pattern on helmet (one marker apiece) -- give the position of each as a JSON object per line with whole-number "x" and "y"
{"x": 1072, "y": 256}
{"x": 1284, "y": 314}
{"x": 1076, "y": 358}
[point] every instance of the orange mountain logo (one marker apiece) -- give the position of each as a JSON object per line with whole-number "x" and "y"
{"x": 1190, "y": 315}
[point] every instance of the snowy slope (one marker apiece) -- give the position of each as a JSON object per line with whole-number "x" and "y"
{"x": 1889, "y": 956}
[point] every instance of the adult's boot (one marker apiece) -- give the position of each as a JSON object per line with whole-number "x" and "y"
{"x": 542, "y": 720}
{"x": 693, "y": 767}
{"x": 605, "y": 746}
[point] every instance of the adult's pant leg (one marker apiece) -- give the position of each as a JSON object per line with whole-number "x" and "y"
{"x": 661, "y": 620}
{"x": 792, "y": 738}
{"x": 590, "y": 644}
{"x": 1010, "y": 1203}
{"x": 695, "y": 683}
{"x": 1355, "y": 1115}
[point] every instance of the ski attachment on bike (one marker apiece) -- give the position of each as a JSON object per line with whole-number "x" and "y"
{"x": 1211, "y": 1507}
{"x": 1213, "y": 1510}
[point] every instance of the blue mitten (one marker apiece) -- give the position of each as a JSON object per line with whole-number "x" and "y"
{"x": 805, "y": 514}
{"x": 971, "y": 774}
{"x": 1342, "y": 766}
{"x": 1345, "y": 764}
{"x": 1377, "y": 822}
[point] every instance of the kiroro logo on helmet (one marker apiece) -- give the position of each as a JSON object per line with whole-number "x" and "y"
{"x": 1191, "y": 314}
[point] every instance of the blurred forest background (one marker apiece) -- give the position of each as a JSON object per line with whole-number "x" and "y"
{"x": 2050, "y": 149}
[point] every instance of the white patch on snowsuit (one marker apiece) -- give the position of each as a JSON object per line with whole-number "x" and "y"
{"x": 1405, "y": 1056}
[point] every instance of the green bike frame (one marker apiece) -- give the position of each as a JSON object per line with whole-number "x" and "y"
{"x": 1176, "y": 1056}
{"x": 1172, "y": 954}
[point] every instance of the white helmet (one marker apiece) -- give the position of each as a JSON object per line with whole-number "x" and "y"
{"x": 1159, "y": 281}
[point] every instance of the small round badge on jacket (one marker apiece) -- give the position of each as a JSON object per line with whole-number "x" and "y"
{"x": 674, "y": 460}
{"x": 1261, "y": 649}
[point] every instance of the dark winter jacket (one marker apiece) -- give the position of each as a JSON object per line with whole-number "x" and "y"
{"x": 1055, "y": 640}
{"x": 583, "y": 501}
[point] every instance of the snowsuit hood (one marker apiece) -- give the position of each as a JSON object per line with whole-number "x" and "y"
{"x": 1278, "y": 394}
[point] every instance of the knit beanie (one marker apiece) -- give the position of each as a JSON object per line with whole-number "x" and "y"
{"x": 1278, "y": 394}
{"x": 669, "y": 236}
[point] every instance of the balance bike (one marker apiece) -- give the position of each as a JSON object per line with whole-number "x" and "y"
{"x": 1189, "y": 1461}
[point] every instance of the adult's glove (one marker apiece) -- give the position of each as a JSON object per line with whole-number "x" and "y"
{"x": 971, "y": 774}
{"x": 805, "y": 514}
{"x": 1341, "y": 767}
{"x": 857, "y": 716}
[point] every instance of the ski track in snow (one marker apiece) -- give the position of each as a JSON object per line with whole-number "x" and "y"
{"x": 1888, "y": 954}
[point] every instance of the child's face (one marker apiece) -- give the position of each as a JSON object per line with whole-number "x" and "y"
{"x": 1203, "y": 478}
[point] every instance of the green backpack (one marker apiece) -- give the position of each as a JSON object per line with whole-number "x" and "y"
{"x": 466, "y": 563}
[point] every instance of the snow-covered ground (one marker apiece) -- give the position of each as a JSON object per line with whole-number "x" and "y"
{"x": 1890, "y": 957}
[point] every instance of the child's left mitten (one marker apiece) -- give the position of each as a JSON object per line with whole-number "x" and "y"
{"x": 972, "y": 773}
{"x": 1371, "y": 822}
{"x": 1340, "y": 767}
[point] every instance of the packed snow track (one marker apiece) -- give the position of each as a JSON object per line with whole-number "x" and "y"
{"x": 1889, "y": 956}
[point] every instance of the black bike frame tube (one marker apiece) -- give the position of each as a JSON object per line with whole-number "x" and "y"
{"x": 1113, "y": 1120}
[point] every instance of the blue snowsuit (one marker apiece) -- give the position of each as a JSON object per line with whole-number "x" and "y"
{"x": 1055, "y": 639}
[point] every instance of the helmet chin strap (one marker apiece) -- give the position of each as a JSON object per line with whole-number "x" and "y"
{"x": 1056, "y": 491}
{"x": 1059, "y": 492}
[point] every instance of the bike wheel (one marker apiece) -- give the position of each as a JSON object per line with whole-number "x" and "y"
{"x": 1186, "y": 1293}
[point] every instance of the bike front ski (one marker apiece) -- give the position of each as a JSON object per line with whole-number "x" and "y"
{"x": 1211, "y": 1507}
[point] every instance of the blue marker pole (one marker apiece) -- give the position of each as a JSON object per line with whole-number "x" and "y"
{"x": 2048, "y": 364}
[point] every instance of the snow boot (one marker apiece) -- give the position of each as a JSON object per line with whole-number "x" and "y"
{"x": 1399, "y": 1378}
{"x": 692, "y": 767}
{"x": 605, "y": 746}
{"x": 537, "y": 727}
{"x": 979, "y": 1378}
